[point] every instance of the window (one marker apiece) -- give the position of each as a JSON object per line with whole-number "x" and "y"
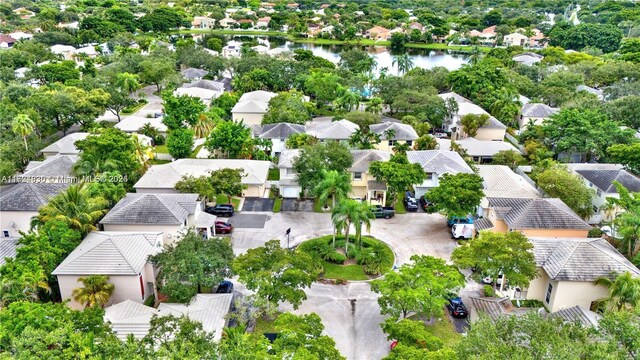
{"x": 429, "y": 176}
{"x": 357, "y": 176}
{"x": 392, "y": 142}
{"x": 547, "y": 298}
{"x": 290, "y": 171}
{"x": 409, "y": 142}
{"x": 599, "y": 192}
{"x": 5, "y": 233}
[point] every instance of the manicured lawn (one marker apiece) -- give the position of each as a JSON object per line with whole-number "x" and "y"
{"x": 444, "y": 330}
{"x": 277, "y": 204}
{"x": 162, "y": 149}
{"x": 400, "y": 205}
{"x": 131, "y": 110}
{"x": 222, "y": 199}
{"x": 343, "y": 272}
{"x": 274, "y": 174}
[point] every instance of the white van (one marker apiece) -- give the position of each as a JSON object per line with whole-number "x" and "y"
{"x": 462, "y": 231}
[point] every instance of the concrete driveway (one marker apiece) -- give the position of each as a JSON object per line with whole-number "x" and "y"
{"x": 297, "y": 205}
{"x": 350, "y": 313}
{"x": 257, "y": 204}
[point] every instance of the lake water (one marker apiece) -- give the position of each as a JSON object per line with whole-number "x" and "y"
{"x": 422, "y": 58}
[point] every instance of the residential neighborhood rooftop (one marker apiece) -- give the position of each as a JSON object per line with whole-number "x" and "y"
{"x": 280, "y": 130}
{"x": 501, "y": 181}
{"x": 603, "y": 176}
{"x": 143, "y": 208}
{"x": 66, "y": 145}
{"x": 439, "y": 161}
{"x": 400, "y": 131}
{"x": 363, "y": 158}
{"x": 538, "y": 110}
{"x": 28, "y": 196}
{"x": 537, "y": 213}
{"x": 8, "y": 249}
{"x": 52, "y": 167}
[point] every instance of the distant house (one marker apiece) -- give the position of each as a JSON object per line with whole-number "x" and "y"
{"x": 88, "y": 51}
{"x": 20, "y": 202}
{"x": 493, "y": 130}
{"x": 515, "y": 39}
{"x": 218, "y": 86}
{"x": 363, "y": 184}
{"x": 130, "y": 317}
{"x": 173, "y": 214}
{"x": 203, "y": 22}
{"x": 278, "y": 134}
{"x": 24, "y": 13}
{"x": 435, "y": 164}
{"x": 378, "y": 33}
{"x": 528, "y": 58}
{"x": 232, "y": 49}
{"x": 543, "y": 217}
{"x": 54, "y": 169}
{"x": 481, "y": 151}
{"x": 416, "y": 26}
{"x": 67, "y": 52}
{"x": 245, "y": 21}
{"x": 263, "y": 22}
{"x": 121, "y": 255}
{"x": 65, "y": 146}
{"x": 205, "y": 95}
{"x": 537, "y": 113}
{"x": 6, "y": 41}
{"x": 568, "y": 268}
{"x": 600, "y": 178}
{"x": 133, "y": 124}
{"x": 402, "y": 134}
{"x": 537, "y": 40}
{"x": 252, "y": 106}
{"x": 227, "y": 22}
{"x": 193, "y": 74}
{"x": 163, "y": 178}
{"x": 597, "y": 92}
{"x": 340, "y": 130}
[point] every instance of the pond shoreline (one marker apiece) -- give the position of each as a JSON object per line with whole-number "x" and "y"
{"x": 318, "y": 41}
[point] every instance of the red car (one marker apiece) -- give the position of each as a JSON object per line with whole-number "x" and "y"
{"x": 223, "y": 227}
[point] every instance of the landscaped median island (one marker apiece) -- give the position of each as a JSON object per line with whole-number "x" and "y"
{"x": 365, "y": 259}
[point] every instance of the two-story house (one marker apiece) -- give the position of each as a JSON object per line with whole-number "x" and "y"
{"x": 435, "y": 164}
{"x": 493, "y": 130}
{"x": 252, "y": 106}
{"x": 278, "y": 134}
{"x": 340, "y": 130}
{"x": 363, "y": 185}
{"x": 392, "y": 134}
{"x": 288, "y": 182}
{"x": 121, "y": 255}
{"x": 535, "y": 113}
{"x": 172, "y": 214}
{"x": 600, "y": 178}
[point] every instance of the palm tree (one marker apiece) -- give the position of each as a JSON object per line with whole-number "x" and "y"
{"x": 374, "y": 105}
{"x": 128, "y": 82}
{"x": 475, "y": 55}
{"x": 389, "y": 134}
{"x": 347, "y": 100}
{"x": 91, "y": 165}
{"x": 344, "y": 215}
{"x": 624, "y": 292}
{"x": 23, "y": 126}
{"x": 203, "y": 126}
{"x": 506, "y": 106}
{"x": 335, "y": 185}
{"x": 143, "y": 152}
{"x": 404, "y": 62}
{"x": 364, "y": 215}
{"x": 96, "y": 290}
{"x": 23, "y": 288}
{"x": 401, "y": 149}
{"x": 75, "y": 207}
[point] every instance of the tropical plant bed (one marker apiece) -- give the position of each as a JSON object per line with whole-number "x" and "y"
{"x": 368, "y": 261}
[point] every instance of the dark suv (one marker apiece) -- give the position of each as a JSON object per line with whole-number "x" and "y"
{"x": 456, "y": 308}
{"x": 427, "y": 205}
{"x": 224, "y": 210}
{"x": 410, "y": 202}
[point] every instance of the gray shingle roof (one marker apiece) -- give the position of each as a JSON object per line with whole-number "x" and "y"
{"x": 287, "y": 157}
{"x": 8, "y": 249}
{"x": 193, "y": 73}
{"x": 363, "y": 158}
{"x": 483, "y": 224}
{"x": 527, "y": 213}
{"x": 28, "y": 196}
{"x": 494, "y": 307}
{"x": 579, "y": 259}
{"x": 205, "y": 84}
{"x": 337, "y": 130}
{"x": 111, "y": 253}
{"x": 501, "y": 181}
{"x": 402, "y": 131}
{"x": 280, "y": 130}
{"x": 52, "y": 167}
{"x": 152, "y": 209}
{"x": 538, "y": 110}
{"x": 439, "y": 161}
{"x": 585, "y": 317}
{"x": 603, "y": 179}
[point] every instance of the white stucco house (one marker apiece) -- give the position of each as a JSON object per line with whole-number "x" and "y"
{"x": 536, "y": 113}
{"x": 133, "y": 124}
{"x": 401, "y": 134}
{"x": 481, "y": 151}
{"x": 435, "y": 164}
{"x": 121, "y": 255}
{"x": 173, "y": 214}
{"x": 65, "y": 146}
{"x": 252, "y": 106}
{"x": 163, "y": 178}
{"x": 205, "y": 95}
{"x": 493, "y": 130}
{"x": 20, "y": 202}
{"x": 278, "y": 134}
{"x": 340, "y": 130}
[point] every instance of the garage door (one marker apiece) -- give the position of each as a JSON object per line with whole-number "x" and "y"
{"x": 290, "y": 191}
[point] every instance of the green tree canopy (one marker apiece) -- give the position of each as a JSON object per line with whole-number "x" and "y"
{"x": 191, "y": 264}
{"x": 180, "y": 142}
{"x": 558, "y": 182}
{"x": 627, "y": 155}
{"x": 510, "y": 158}
{"x": 472, "y": 122}
{"x": 201, "y": 185}
{"x": 228, "y": 137}
{"x": 227, "y": 182}
{"x": 181, "y": 111}
{"x": 300, "y": 336}
{"x": 287, "y": 107}
{"x": 312, "y": 159}
{"x": 398, "y": 173}
{"x": 457, "y": 195}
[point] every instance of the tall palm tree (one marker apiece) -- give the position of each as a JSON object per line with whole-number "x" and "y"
{"x": 404, "y": 63}
{"x": 143, "y": 152}
{"x": 624, "y": 292}
{"x": 75, "y": 207}
{"x": 92, "y": 165}
{"x": 389, "y": 134}
{"x": 23, "y": 126}
{"x": 475, "y": 55}
{"x": 96, "y": 290}
{"x": 128, "y": 82}
{"x": 335, "y": 185}
{"x": 364, "y": 215}
{"x": 401, "y": 149}
{"x": 351, "y": 212}
{"x": 203, "y": 126}
{"x": 374, "y": 105}
{"x": 23, "y": 288}
{"x": 347, "y": 100}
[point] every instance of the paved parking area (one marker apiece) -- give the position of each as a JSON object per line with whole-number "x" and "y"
{"x": 257, "y": 204}
{"x": 248, "y": 221}
{"x": 297, "y": 205}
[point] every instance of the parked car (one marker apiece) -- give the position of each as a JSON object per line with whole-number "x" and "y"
{"x": 459, "y": 220}
{"x": 158, "y": 114}
{"x": 225, "y": 210}
{"x": 382, "y": 212}
{"x": 225, "y": 287}
{"x": 427, "y": 205}
{"x": 440, "y": 135}
{"x": 463, "y": 231}
{"x": 410, "y": 202}
{"x": 456, "y": 308}
{"x": 223, "y": 227}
